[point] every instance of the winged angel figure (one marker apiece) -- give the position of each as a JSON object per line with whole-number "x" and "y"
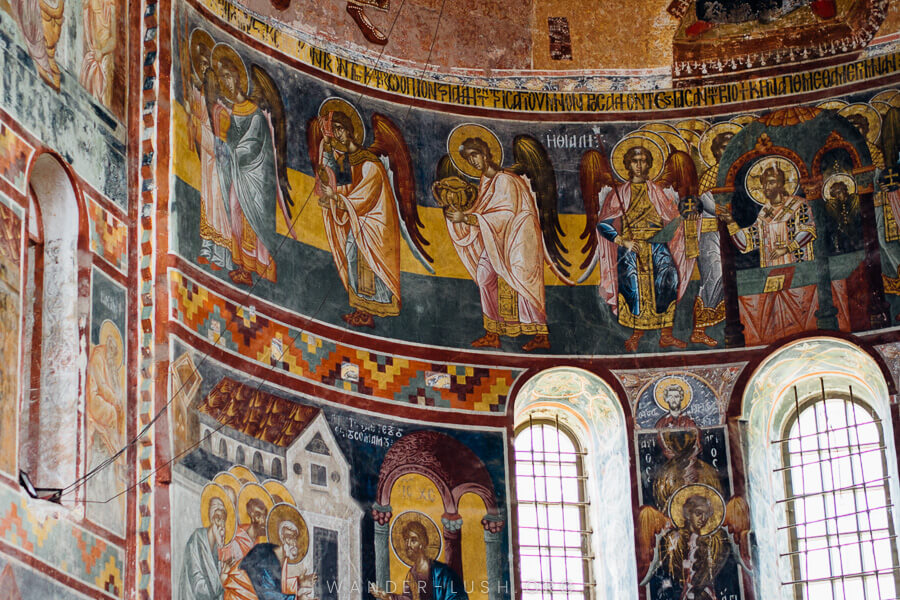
{"x": 504, "y": 229}
{"x": 688, "y": 546}
{"x": 368, "y": 199}
{"x": 247, "y": 118}
{"x": 634, "y": 231}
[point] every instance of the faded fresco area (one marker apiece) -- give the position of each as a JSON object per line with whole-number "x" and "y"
{"x": 10, "y": 318}
{"x": 106, "y": 403}
{"x": 277, "y": 494}
{"x": 84, "y": 130}
{"x": 693, "y": 533}
{"x": 560, "y": 238}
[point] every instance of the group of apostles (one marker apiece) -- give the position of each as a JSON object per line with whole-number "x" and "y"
{"x": 250, "y": 545}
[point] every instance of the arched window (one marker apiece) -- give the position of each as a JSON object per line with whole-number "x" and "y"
{"x": 277, "y": 472}
{"x": 839, "y": 525}
{"x": 55, "y": 319}
{"x": 258, "y": 463}
{"x": 223, "y": 449}
{"x": 821, "y": 471}
{"x": 554, "y": 538}
{"x": 573, "y": 507}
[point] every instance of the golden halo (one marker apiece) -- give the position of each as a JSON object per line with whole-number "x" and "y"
{"x": 399, "y": 544}
{"x": 230, "y": 483}
{"x": 675, "y": 141}
{"x": 460, "y": 134}
{"x": 691, "y": 137}
{"x": 839, "y": 177}
{"x": 659, "y": 391}
{"x": 656, "y": 138}
{"x": 631, "y": 141}
{"x": 743, "y": 120}
{"x": 201, "y": 38}
{"x": 222, "y": 51}
{"x": 871, "y": 116}
{"x": 886, "y": 96}
{"x": 832, "y": 104}
{"x": 248, "y": 492}
{"x": 335, "y": 104}
{"x": 110, "y": 334}
{"x": 285, "y": 512}
{"x": 676, "y": 506}
{"x": 696, "y": 125}
{"x": 659, "y": 128}
{"x": 210, "y": 491}
{"x": 709, "y": 137}
{"x": 243, "y": 474}
{"x": 753, "y": 183}
{"x": 881, "y": 107}
{"x": 280, "y": 494}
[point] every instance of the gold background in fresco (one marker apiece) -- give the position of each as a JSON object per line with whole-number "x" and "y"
{"x": 418, "y": 493}
{"x": 310, "y": 228}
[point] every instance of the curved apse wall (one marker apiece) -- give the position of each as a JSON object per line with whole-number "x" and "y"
{"x": 337, "y": 371}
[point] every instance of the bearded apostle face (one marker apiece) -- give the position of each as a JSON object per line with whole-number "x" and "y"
{"x": 289, "y": 533}
{"x": 217, "y": 516}
{"x": 674, "y": 398}
{"x": 257, "y": 512}
{"x": 773, "y": 185}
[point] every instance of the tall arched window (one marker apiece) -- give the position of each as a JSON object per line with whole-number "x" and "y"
{"x": 837, "y": 502}
{"x": 821, "y": 471}
{"x": 573, "y": 504}
{"x": 56, "y": 313}
{"x": 554, "y": 538}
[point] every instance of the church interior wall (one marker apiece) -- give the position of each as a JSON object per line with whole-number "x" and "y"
{"x": 208, "y": 362}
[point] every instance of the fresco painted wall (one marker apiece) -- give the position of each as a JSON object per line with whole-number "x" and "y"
{"x": 11, "y": 236}
{"x": 394, "y": 232}
{"x": 353, "y": 488}
{"x": 106, "y": 403}
{"x": 85, "y": 125}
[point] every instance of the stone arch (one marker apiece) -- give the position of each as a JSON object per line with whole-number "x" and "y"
{"x": 57, "y": 312}
{"x": 591, "y": 409}
{"x": 766, "y": 407}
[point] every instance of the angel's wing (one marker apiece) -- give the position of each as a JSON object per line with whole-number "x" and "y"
{"x": 595, "y": 174}
{"x": 532, "y": 160}
{"x": 651, "y": 526}
{"x": 445, "y": 168}
{"x": 314, "y": 137}
{"x": 737, "y": 523}
{"x": 184, "y": 58}
{"x": 389, "y": 142}
{"x": 680, "y": 174}
{"x": 265, "y": 94}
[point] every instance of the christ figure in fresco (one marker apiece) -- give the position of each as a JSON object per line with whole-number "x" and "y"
{"x": 783, "y": 228}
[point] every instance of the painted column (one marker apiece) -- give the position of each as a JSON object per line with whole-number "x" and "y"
{"x": 453, "y": 523}
{"x": 382, "y": 516}
{"x": 493, "y": 537}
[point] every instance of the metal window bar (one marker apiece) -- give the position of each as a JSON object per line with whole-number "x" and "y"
{"x": 857, "y": 486}
{"x": 863, "y": 575}
{"x": 850, "y": 454}
{"x": 546, "y": 551}
{"x": 830, "y": 429}
{"x": 840, "y": 516}
{"x": 864, "y": 533}
{"x": 832, "y": 546}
